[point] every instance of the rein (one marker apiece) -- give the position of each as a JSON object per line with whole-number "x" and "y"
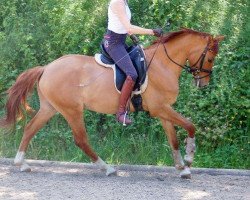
{"x": 153, "y": 55}
{"x": 149, "y": 62}
{"x": 193, "y": 69}
{"x": 190, "y": 69}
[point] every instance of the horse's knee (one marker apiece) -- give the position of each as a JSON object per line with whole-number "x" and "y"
{"x": 191, "y": 129}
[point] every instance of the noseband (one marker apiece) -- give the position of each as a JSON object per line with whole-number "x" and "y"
{"x": 194, "y": 70}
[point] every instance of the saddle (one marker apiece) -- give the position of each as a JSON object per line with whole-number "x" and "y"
{"x": 138, "y": 59}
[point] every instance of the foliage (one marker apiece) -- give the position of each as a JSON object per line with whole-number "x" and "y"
{"x": 34, "y": 32}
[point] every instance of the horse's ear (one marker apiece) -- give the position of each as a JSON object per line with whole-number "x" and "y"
{"x": 219, "y": 38}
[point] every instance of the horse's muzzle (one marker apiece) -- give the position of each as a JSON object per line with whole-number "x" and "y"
{"x": 200, "y": 83}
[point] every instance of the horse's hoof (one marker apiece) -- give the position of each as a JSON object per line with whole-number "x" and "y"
{"x": 111, "y": 171}
{"x": 25, "y": 168}
{"x": 17, "y": 164}
{"x": 179, "y": 167}
{"x": 186, "y": 173}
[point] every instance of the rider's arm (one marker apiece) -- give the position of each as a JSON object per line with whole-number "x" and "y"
{"x": 118, "y": 8}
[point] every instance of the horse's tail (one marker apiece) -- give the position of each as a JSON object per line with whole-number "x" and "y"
{"x": 17, "y": 95}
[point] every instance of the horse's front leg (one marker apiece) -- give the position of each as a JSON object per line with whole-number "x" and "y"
{"x": 190, "y": 150}
{"x": 170, "y": 117}
{"x": 173, "y": 141}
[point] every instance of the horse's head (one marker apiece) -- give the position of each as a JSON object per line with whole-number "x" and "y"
{"x": 201, "y": 59}
{"x": 198, "y": 48}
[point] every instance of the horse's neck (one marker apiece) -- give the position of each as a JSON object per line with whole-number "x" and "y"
{"x": 177, "y": 51}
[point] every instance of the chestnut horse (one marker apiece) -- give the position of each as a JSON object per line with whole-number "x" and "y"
{"x": 73, "y": 83}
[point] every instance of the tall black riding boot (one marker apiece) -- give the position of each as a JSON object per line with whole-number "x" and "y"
{"x": 126, "y": 91}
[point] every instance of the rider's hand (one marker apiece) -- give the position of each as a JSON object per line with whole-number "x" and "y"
{"x": 158, "y": 32}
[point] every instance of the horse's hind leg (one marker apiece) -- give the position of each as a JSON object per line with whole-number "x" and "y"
{"x": 75, "y": 120}
{"x": 45, "y": 112}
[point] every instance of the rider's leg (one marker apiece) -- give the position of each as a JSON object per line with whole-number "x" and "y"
{"x": 127, "y": 88}
{"x": 115, "y": 46}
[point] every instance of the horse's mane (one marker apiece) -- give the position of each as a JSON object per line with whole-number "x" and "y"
{"x": 169, "y": 36}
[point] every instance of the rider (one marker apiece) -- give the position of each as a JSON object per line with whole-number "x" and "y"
{"x": 119, "y": 26}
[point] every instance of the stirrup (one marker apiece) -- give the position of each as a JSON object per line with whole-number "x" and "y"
{"x": 122, "y": 117}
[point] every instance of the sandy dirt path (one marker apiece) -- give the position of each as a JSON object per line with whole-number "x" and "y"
{"x": 57, "y": 180}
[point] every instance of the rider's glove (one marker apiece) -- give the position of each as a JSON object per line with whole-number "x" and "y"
{"x": 158, "y": 32}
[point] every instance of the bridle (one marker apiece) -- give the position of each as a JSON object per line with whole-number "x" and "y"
{"x": 194, "y": 70}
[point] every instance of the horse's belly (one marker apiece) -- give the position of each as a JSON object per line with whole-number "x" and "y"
{"x": 100, "y": 95}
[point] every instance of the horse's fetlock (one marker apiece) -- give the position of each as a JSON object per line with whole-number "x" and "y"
{"x": 190, "y": 145}
{"x": 188, "y": 160}
{"x": 179, "y": 167}
{"x": 25, "y": 167}
{"x": 190, "y": 150}
{"x": 19, "y": 159}
{"x": 186, "y": 173}
{"x": 179, "y": 164}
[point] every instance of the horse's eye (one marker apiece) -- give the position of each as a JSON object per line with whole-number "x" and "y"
{"x": 210, "y": 60}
